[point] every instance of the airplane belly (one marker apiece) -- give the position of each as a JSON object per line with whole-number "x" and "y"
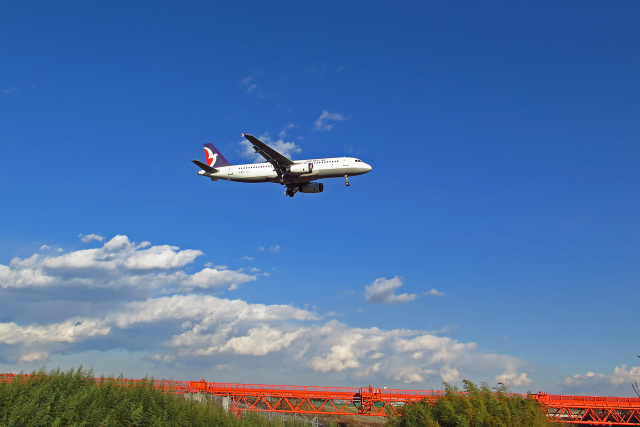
{"x": 253, "y": 179}
{"x": 267, "y": 177}
{"x": 352, "y": 171}
{"x": 246, "y": 175}
{"x": 331, "y": 173}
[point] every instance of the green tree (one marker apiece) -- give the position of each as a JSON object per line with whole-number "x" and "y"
{"x": 75, "y": 398}
{"x": 475, "y": 407}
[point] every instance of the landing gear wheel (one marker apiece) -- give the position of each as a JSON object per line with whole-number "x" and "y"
{"x": 289, "y": 192}
{"x": 346, "y": 178}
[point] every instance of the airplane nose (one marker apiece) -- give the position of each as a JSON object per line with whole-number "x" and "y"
{"x": 367, "y": 167}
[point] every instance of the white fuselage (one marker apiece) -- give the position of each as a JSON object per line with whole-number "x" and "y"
{"x": 265, "y": 172}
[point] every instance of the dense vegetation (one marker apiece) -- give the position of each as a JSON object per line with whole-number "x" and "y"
{"x": 478, "y": 407}
{"x": 75, "y": 398}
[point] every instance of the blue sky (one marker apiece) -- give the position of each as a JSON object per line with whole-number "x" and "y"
{"x": 495, "y": 239}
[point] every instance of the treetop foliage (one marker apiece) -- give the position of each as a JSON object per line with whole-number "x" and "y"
{"x": 476, "y": 407}
{"x": 76, "y": 398}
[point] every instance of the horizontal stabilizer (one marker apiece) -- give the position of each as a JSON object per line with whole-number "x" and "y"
{"x": 205, "y": 167}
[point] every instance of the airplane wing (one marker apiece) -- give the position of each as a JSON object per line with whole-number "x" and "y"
{"x": 279, "y": 162}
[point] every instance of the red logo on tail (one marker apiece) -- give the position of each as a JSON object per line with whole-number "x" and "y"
{"x": 211, "y": 158}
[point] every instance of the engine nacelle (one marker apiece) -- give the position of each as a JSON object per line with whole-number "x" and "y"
{"x": 312, "y": 187}
{"x": 301, "y": 168}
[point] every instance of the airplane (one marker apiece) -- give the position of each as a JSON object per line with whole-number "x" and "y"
{"x": 295, "y": 175}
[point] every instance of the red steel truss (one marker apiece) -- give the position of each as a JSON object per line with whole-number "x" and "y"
{"x": 589, "y": 410}
{"x": 314, "y": 400}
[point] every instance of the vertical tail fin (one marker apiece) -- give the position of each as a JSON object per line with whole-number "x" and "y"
{"x": 214, "y": 157}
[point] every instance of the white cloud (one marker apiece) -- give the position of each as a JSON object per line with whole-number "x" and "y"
{"x": 443, "y": 349}
{"x": 248, "y": 83}
{"x": 275, "y": 248}
{"x": 382, "y": 291}
{"x": 119, "y": 263}
{"x": 345, "y": 347}
{"x": 511, "y": 378}
{"x": 119, "y": 254}
{"x": 36, "y": 356}
{"x": 250, "y": 86}
{"x": 89, "y": 237}
{"x": 327, "y": 120}
{"x": 23, "y": 273}
{"x": 450, "y": 375}
{"x": 435, "y": 293}
{"x": 260, "y": 341}
{"x": 214, "y": 278}
{"x": 205, "y": 309}
{"x": 287, "y": 149}
{"x": 621, "y": 376}
{"x": 283, "y": 132}
{"x": 161, "y": 358}
{"x": 69, "y": 331}
{"x": 339, "y": 358}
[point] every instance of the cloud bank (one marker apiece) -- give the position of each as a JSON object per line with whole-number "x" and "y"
{"x": 603, "y": 384}
{"x": 158, "y": 313}
{"x": 118, "y": 264}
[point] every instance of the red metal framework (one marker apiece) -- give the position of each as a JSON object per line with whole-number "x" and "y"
{"x": 314, "y": 400}
{"x": 591, "y": 410}
{"x": 586, "y": 410}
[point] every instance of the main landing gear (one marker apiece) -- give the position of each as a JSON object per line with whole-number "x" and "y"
{"x": 346, "y": 178}
{"x": 291, "y": 190}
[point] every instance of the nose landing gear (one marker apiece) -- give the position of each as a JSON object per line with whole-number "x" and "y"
{"x": 346, "y": 179}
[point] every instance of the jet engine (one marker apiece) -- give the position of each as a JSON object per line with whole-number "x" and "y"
{"x": 301, "y": 168}
{"x": 312, "y": 187}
